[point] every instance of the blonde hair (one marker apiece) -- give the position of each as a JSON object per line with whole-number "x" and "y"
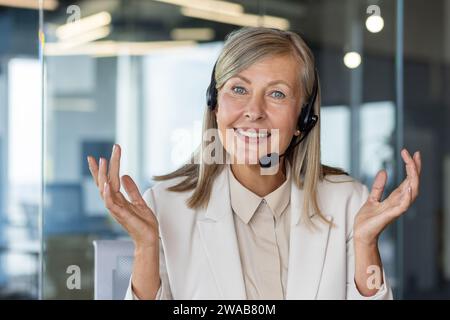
{"x": 242, "y": 48}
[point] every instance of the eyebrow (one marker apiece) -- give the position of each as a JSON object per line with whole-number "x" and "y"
{"x": 270, "y": 83}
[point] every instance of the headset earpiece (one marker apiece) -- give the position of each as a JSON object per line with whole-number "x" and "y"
{"x": 308, "y": 119}
{"x": 211, "y": 92}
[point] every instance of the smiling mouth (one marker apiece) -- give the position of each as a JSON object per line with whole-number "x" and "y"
{"x": 252, "y": 133}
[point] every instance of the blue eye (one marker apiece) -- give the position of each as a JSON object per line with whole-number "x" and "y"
{"x": 239, "y": 90}
{"x": 278, "y": 95}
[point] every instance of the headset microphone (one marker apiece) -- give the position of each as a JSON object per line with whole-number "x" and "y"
{"x": 306, "y": 122}
{"x": 272, "y": 159}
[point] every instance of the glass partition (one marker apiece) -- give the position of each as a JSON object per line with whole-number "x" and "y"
{"x": 20, "y": 151}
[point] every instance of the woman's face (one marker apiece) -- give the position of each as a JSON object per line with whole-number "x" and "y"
{"x": 255, "y": 102}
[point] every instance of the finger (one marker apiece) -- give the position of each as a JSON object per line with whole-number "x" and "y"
{"x": 102, "y": 178}
{"x": 132, "y": 190}
{"x": 114, "y": 167}
{"x": 378, "y": 186}
{"x": 93, "y": 168}
{"x": 411, "y": 169}
{"x": 412, "y": 173}
{"x": 418, "y": 161}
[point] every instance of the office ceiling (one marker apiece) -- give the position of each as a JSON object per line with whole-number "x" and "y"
{"x": 324, "y": 23}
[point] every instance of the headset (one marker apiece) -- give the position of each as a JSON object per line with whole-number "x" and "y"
{"x": 306, "y": 121}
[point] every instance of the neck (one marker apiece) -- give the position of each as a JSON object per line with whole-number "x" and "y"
{"x": 250, "y": 177}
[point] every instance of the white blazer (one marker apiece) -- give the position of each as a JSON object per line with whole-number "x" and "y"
{"x": 199, "y": 256}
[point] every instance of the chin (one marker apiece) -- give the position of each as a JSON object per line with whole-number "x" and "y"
{"x": 248, "y": 155}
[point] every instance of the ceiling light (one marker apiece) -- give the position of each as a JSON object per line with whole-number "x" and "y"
{"x": 243, "y": 19}
{"x": 374, "y": 23}
{"x": 198, "y": 34}
{"x": 83, "y": 25}
{"x": 352, "y": 59}
{"x": 30, "y": 4}
{"x": 113, "y": 48}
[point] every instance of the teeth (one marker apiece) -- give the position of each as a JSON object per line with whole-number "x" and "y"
{"x": 252, "y": 133}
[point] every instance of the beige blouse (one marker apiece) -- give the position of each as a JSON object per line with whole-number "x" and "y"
{"x": 262, "y": 229}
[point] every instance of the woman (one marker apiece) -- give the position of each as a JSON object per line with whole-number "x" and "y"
{"x": 212, "y": 230}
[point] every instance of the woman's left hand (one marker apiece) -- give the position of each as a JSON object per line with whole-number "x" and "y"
{"x": 375, "y": 215}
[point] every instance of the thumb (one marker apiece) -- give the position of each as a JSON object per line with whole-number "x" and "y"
{"x": 378, "y": 185}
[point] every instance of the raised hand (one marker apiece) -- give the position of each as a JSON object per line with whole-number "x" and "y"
{"x": 134, "y": 215}
{"x": 375, "y": 215}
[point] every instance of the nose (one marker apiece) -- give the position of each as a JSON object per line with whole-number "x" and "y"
{"x": 255, "y": 109}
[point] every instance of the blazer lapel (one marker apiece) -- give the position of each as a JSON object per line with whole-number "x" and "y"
{"x": 307, "y": 250}
{"x": 219, "y": 239}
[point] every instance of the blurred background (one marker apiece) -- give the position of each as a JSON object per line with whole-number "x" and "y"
{"x": 77, "y": 76}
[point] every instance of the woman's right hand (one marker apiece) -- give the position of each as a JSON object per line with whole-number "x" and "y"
{"x": 134, "y": 215}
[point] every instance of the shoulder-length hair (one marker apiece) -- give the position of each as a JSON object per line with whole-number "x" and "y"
{"x": 242, "y": 48}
